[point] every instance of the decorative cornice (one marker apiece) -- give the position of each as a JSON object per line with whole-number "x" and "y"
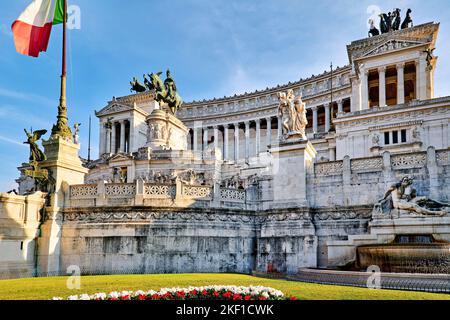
{"x": 397, "y": 125}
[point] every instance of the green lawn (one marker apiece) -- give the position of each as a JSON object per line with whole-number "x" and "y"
{"x": 46, "y": 288}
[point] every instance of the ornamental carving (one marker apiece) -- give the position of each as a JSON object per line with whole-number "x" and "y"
{"x": 369, "y": 164}
{"x": 83, "y": 191}
{"x": 156, "y": 215}
{"x": 342, "y": 215}
{"x": 409, "y": 160}
{"x": 120, "y": 190}
{"x": 232, "y": 195}
{"x": 391, "y": 46}
{"x": 197, "y": 192}
{"x": 328, "y": 168}
{"x": 156, "y": 190}
{"x": 442, "y": 158}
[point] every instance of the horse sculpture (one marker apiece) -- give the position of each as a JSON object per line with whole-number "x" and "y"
{"x": 166, "y": 91}
{"x": 383, "y": 23}
{"x": 397, "y": 20}
{"x": 136, "y": 86}
{"x": 373, "y": 30}
{"x": 408, "y": 20}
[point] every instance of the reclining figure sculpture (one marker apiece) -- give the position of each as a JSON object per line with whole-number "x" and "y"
{"x": 403, "y": 197}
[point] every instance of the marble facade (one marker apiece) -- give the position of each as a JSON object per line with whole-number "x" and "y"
{"x": 227, "y": 192}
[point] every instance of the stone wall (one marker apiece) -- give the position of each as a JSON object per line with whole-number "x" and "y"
{"x": 150, "y": 240}
{"x": 19, "y": 223}
{"x": 156, "y": 240}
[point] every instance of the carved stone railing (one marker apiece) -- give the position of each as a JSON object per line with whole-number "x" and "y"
{"x": 232, "y": 195}
{"x": 119, "y": 194}
{"x": 159, "y": 191}
{"x": 410, "y": 160}
{"x": 197, "y": 192}
{"x": 84, "y": 195}
{"x": 367, "y": 164}
{"x": 120, "y": 190}
{"x": 382, "y": 163}
{"x": 442, "y": 157}
{"x": 83, "y": 191}
{"x": 328, "y": 168}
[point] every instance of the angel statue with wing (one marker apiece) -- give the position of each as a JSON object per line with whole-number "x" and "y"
{"x": 36, "y": 154}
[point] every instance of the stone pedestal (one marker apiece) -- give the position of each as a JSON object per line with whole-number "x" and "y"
{"x": 292, "y": 160}
{"x": 65, "y": 167}
{"x": 166, "y": 132}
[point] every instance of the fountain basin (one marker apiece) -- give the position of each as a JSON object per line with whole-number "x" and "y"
{"x": 428, "y": 256}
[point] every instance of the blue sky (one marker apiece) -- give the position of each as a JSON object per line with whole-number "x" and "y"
{"x": 214, "y": 48}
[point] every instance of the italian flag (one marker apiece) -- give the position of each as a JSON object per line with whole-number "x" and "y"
{"x": 33, "y": 27}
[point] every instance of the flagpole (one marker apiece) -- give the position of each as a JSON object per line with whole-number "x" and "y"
{"x": 89, "y": 143}
{"x": 61, "y": 128}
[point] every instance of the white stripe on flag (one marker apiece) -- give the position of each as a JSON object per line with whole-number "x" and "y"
{"x": 38, "y": 13}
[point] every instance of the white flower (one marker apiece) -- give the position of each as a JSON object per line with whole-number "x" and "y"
{"x": 266, "y": 292}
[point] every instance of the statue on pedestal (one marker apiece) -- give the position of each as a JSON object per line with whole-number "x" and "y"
{"x": 36, "y": 154}
{"x": 166, "y": 91}
{"x": 293, "y": 115}
{"x": 76, "y": 128}
{"x": 43, "y": 179}
{"x": 403, "y": 197}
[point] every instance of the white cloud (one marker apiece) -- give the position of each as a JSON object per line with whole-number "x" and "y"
{"x": 12, "y": 141}
{"x": 18, "y": 95}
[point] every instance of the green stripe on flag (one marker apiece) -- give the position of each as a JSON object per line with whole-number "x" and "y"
{"x": 59, "y": 12}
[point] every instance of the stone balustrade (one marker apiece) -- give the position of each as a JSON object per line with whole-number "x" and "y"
{"x": 364, "y": 180}
{"x": 153, "y": 194}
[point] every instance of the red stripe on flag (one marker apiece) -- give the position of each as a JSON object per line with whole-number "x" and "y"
{"x": 31, "y": 40}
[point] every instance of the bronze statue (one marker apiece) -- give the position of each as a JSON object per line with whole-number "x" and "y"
{"x": 373, "y": 30}
{"x": 397, "y": 20}
{"x": 166, "y": 91}
{"x": 429, "y": 57}
{"x": 408, "y": 20}
{"x": 383, "y": 23}
{"x": 36, "y": 154}
{"x": 148, "y": 84}
{"x": 136, "y": 86}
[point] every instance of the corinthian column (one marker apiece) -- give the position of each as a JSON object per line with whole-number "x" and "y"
{"x": 108, "y": 140}
{"x": 122, "y": 136}
{"x": 216, "y": 137}
{"x": 327, "y": 117}
{"x": 400, "y": 83}
{"x": 315, "y": 124}
{"x": 225, "y": 142}
{"x": 113, "y": 139}
{"x": 236, "y": 141}
{"x": 247, "y": 139}
{"x": 268, "y": 131}
{"x": 205, "y": 138}
{"x": 364, "y": 90}
{"x": 258, "y": 136}
{"x": 382, "y": 86}
{"x": 195, "y": 133}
